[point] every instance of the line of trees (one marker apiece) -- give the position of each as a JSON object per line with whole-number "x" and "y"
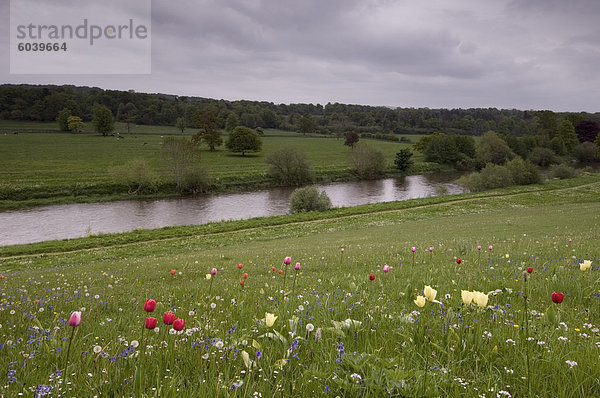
{"x": 43, "y": 103}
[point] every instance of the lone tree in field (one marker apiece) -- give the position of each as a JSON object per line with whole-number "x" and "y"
{"x": 180, "y": 124}
{"x": 305, "y": 125}
{"x": 63, "y": 119}
{"x": 351, "y": 139}
{"x": 243, "y": 139}
{"x": 208, "y": 122}
{"x": 75, "y": 124}
{"x": 103, "y": 120}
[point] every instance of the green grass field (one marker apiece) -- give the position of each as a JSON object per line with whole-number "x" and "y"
{"x": 337, "y": 332}
{"x": 66, "y": 167}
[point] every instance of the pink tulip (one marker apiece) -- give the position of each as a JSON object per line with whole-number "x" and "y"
{"x": 413, "y": 249}
{"x": 213, "y": 271}
{"x": 386, "y": 268}
{"x": 342, "y": 250}
{"x": 490, "y": 247}
{"x": 75, "y": 318}
{"x": 431, "y": 250}
{"x": 287, "y": 260}
{"x": 479, "y": 247}
{"x": 297, "y": 267}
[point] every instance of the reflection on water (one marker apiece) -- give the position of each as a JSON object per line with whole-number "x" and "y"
{"x": 80, "y": 219}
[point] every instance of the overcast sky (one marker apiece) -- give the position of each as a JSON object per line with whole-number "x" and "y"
{"x": 524, "y": 54}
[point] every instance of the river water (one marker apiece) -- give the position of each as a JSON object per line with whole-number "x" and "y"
{"x": 81, "y": 219}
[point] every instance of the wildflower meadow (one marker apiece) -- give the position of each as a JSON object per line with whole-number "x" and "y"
{"x": 497, "y": 297}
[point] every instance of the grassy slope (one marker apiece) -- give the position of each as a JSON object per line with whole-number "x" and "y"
{"x": 46, "y": 165}
{"x": 527, "y": 227}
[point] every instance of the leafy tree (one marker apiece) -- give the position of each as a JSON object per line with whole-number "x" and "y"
{"x": 306, "y": 125}
{"x": 493, "y": 149}
{"x": 309, "y": 199}
{"x": 181, "y": 156}
{"x": 351, "y": 139}
{"x": 243, "y": 139}
{"x": 547, "y": 122}
{"x": 63, "y": 119}
{"x": 232, "y": 121}
{"x": 75, "y": 124}
{"x": 208, "y": 121}
{"x": 369, "y": 163}
{"x": 566, "y": 132}
{"x": 543, "y": 157}
{"x": 103, "y": 120}
{"x": 403, "y": 159}
{"x": 180, "y": 124}
{"x": 290, "y": 167}
{"x": 423, "y": 142}
{"x": 586, "y": 152}
{"x": 587, "y": 130}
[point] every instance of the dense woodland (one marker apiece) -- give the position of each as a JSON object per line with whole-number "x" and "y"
{"x": 43, "y": 103}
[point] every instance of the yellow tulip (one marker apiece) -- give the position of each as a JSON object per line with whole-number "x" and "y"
{"x": 466, "y": 296}
{"x": 585, "y": 265}
{"x": 270, "y": 319}
{"x": 420, "y": 301}
{"x": 480, "y": 299}
{"x": 208, "y": 276}
{"x": 430, "y": 293}
{"x": 246, "y": 358}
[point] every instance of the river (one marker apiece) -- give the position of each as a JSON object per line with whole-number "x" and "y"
{"x": 82, "y": 219}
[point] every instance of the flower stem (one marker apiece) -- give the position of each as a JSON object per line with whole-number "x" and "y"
{"x": 67, "y": 360}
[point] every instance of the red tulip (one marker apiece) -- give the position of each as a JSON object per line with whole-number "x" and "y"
{"x": 172, "y": 272}
{"x": 458, "y": 261}
{"x": 372, "y": 277}
{"x": 178, "y": 324}
{"x": 245, "y": 275}
{"x": 558, "y": 297}
{"x": 273, "y": 269}
{"x": 75, "y": 318}
{"x": 1, "y": 276}
{"x": 168, "y": 318}
{"x": 150, "y": 305}
{"x": 530, "y": 269}
{"x": 281, "y": 271}
{"x": 240, "y": 265}
{"x": 242, "y": 282}
{"x": 151, "y": 323}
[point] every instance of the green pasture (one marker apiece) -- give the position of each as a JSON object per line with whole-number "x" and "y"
{"x": 337, "y": 332}
{"x": 64, "y": 165}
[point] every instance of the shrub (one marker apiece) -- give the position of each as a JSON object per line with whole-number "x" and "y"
{"x": 493, "y": 149}
{"x": 309, "y": 199}
{"x": 195, "y": 180}
{"x": 136, "y": 174}
{"x": 403, "y": 159}
{"x": 586, "y": 152}
{"x": 523, "y": 172}
{"x": 491, "y": 176}
{"x": 543, "y": 157}
{"x": 369, "y": 163}
{"x": 290, "y": 167}
{"x": 563, "y": 171}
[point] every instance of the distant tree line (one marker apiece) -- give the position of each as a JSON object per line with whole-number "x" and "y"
{"x": 43, "y": 103}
